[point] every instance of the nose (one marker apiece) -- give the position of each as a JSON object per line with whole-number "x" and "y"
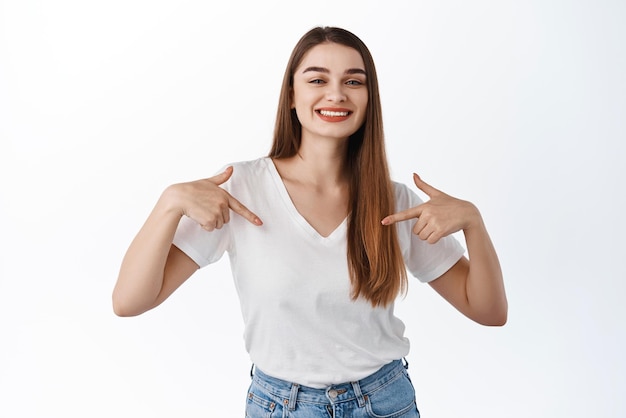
{"x": 335, "y": 93}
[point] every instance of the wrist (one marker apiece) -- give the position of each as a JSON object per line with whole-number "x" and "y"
{"x": 474, "y": 218}
{"x": 170, "y": 202}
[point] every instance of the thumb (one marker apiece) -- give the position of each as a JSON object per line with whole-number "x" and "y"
{"x": 222, "y": 177}
{"x": 423, "y": 186}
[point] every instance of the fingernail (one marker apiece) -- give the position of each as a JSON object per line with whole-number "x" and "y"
{"x": 385, "y": 221}
{"x": 257, "y": 221}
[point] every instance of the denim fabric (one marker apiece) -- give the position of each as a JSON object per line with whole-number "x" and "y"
{"x": 388, "y": 393}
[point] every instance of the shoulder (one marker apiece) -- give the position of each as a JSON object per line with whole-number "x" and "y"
{"x": 249, "y": 174}
{"x": 249, "y": 166}
{"x": 249, "y": 169}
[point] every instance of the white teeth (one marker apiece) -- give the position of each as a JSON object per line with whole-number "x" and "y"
{"x": 331, "y": 113}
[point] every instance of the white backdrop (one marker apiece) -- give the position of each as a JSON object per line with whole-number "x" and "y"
{"x": 516, "y": 106}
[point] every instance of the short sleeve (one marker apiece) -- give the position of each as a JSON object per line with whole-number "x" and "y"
{"x": 423, "y": 260}
{"x": 202, "y": 246}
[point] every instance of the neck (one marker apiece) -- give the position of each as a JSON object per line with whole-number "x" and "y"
{"x": 318, "y": 163}
{"x": 322, "y": 162}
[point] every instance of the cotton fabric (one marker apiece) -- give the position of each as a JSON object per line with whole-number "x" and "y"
{"x": 300, "y": 323}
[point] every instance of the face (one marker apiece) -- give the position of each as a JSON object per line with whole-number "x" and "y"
{"x": 329, "y": 92}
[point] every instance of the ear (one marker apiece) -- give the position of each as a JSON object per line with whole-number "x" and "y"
{"x": 293, "y": 106}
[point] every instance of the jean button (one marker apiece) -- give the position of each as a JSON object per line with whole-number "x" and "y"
{"x": 332, "y": 393}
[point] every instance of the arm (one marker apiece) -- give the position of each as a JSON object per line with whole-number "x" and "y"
{"x": 143, "y": 281}
{"x": 153, "y": 268}
{"x": 475, "y": 286}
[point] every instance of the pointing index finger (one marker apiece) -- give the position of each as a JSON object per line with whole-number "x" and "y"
{"x": 239, "y": 208}
{"x": 400, "y": 216}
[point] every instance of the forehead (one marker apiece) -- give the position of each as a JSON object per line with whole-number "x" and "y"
{"x": 333, "y": 56}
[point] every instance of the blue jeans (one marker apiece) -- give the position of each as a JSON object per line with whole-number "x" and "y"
{"x": 387, "y": 393}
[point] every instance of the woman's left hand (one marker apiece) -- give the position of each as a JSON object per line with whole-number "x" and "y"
{"x": 439, "y": 217}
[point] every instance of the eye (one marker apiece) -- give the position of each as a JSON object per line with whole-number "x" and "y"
{"x": 317, "y": 81}
{"x": 354, "y": 83}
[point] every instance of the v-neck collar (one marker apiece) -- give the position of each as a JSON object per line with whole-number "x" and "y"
{"x": 336, "y": 234}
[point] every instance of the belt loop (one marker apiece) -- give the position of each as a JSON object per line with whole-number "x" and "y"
{"x": 252, "y": 371}
{"x": 359, "y": 395}
{"x": 293, "y": 396}
{"x": 406, "y": 363}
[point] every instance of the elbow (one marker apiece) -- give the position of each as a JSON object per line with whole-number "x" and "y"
{"x": 121, "y": 310}
{"x": 496, "y": 318}
{"x": 491, "y": 316}
{"x": 124, "y": 309}
{"x": 496, "y": 321}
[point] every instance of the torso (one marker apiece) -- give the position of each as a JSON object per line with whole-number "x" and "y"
{"x": 300, "y": 322}
{"x": 324, "y": 208}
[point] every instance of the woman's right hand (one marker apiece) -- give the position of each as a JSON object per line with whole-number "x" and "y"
{"x": 153, "y": 267}
{"x": 207, "y": 203}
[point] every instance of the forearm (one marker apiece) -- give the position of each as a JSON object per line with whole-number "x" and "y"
{"x": 485, "y": 285}
{"x": 141, "y": 273}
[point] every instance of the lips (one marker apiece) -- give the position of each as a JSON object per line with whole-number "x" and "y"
{"x": 334, "y": 114}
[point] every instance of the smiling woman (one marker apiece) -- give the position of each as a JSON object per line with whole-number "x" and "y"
{"x": 318, "y": 247}
{"x": 329, "y": 86}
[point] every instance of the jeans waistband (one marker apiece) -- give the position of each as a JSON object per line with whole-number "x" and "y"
{"x": 292, "y": 393}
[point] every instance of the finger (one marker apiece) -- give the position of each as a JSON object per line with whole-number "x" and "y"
{"x": 222, "y": 177}
{"x": 239, "y": 208}
{"x": 430, "y": 235}
{"x": 423, "y": 186}
{"x": 419, "y": 228}
{"x": 226, "y": 214}
{"x": 402, "y": 216}
{"x": 425, "y": 233}
{"x": 433, "y": 238}
{"x": 208, "y": 226}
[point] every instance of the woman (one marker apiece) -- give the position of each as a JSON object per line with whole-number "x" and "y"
{"x": 317, "y": 277}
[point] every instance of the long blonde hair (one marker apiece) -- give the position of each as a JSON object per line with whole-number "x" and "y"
{"x": 377, "y": 270}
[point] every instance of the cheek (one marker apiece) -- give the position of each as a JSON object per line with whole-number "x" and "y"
{"x": 363, "y": 107}
{"x": 361, "y": 100}
{"x": 298, "y": 99}
{"x": 365, "y": 101}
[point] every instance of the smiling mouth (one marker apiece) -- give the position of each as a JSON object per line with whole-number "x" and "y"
{"x": 333, "y": 113}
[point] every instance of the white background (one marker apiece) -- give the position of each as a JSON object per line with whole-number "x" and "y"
{"x": 517, "y": 106}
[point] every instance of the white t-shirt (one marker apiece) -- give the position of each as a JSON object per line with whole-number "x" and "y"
{"x": 301, "y": 324}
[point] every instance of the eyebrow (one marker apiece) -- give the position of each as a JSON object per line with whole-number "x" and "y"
{"x": 326, "y": 70}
